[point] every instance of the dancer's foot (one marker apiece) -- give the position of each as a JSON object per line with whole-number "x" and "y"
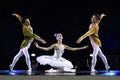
{"x": 69, "y": 70}
{"x": 108, "y": 69}
{"x": 93, "y": 71}
{"x": 51, "y": 70}
{"x": 11, "y": 68}
{"x": 29, "y": 70}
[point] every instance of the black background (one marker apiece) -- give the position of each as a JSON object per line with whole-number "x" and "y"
{"x": 71, "y": 18}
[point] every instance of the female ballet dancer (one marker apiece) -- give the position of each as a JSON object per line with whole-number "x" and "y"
{"x": 57, "y": 61}
{"x": 95, "y": 41}
{"x": 29, "y": 36}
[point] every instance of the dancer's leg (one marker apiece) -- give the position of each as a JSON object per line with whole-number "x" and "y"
{"x": 27, "y": 58}
{"x": 16, "y": 58}
{"x": 94, "y": 58}
{"x": 104, "y": 59}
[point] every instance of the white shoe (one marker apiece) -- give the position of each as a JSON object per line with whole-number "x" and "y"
{"x": 73, "y": 70}
{"x": 93, "y": 71}
{"x": 69, "y": 70}
{"x": 29, "y": 70}
{"x": 108, "y": 69}
{"x": 11, "y": 68}
{"x": 51, "y": 70}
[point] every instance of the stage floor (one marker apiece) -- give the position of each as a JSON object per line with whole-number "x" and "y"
{"x": 77, "y": 73}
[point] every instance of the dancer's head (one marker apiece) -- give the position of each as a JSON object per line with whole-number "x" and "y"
{"x": 26, "y": 20}
{"x": 58, "y": 36}
{"x": 95, "y": 18}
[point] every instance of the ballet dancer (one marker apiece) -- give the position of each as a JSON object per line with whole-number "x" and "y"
{"x": 29, "y": 36}
{"x": 56, "y": 60}
{"x": 92, "y": 33}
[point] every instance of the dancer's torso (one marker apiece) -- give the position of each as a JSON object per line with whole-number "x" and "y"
{"x": 94, "y": 38}
{"x": 58, "y": 51}
{"x": 27, "y": 38}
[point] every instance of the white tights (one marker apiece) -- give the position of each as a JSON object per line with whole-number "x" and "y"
{"x": 97, "y": 51}
{"x": 23, "y": 51}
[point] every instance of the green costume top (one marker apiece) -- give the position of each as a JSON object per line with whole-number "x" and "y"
{"x": 28, "y": 34}
{"x": 93, "y": 33}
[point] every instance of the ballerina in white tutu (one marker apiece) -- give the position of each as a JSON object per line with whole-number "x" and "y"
{"x": 56, "y": 60}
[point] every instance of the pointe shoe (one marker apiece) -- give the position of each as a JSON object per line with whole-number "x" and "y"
{"x": 73, "y": 70}
{"x": 51, "y": 70}
{"x": 69, "y": 70}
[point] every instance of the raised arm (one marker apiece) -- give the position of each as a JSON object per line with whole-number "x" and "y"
{"x": 44, "y": 48}
{"x": 101, "y": 16}
{"x": 75, "y": 49}
{"x": 18, "y": 16}
{"x": 88, "y": 33}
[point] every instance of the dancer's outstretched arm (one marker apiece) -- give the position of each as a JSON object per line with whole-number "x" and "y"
{"x": 75, "y": 49}
{"x": 18, "y": 16}
{"x": 31, "y": 34}
{"x": 101, "y": 17}
{"x": 88, "y": 33}
{"x": 44, "y": 48}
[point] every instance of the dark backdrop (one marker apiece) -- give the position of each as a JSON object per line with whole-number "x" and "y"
{"x": 71, "y": 18}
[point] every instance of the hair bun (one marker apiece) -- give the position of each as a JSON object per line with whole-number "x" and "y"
{"x": 55, "y": 34}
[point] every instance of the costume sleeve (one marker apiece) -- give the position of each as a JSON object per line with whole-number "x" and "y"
{"x": 88, "y": 33}
{"x": 32, "y": 35}
{"x": 19, "y": 18}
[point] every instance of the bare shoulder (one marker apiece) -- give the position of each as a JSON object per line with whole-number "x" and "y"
{"x": 65, "y": 46}
{"x": 54, "y": 45}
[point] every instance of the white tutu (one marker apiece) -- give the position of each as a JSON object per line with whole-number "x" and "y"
{"x": 54, "y": 62}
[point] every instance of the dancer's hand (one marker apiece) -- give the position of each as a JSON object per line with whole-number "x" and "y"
{"x": 36, "y": 44}
{"x": 79, "y": 40}
{"x": 43, "y": 41}
{"x": 103, "y": 15}
{"x": 14, "y": 14}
